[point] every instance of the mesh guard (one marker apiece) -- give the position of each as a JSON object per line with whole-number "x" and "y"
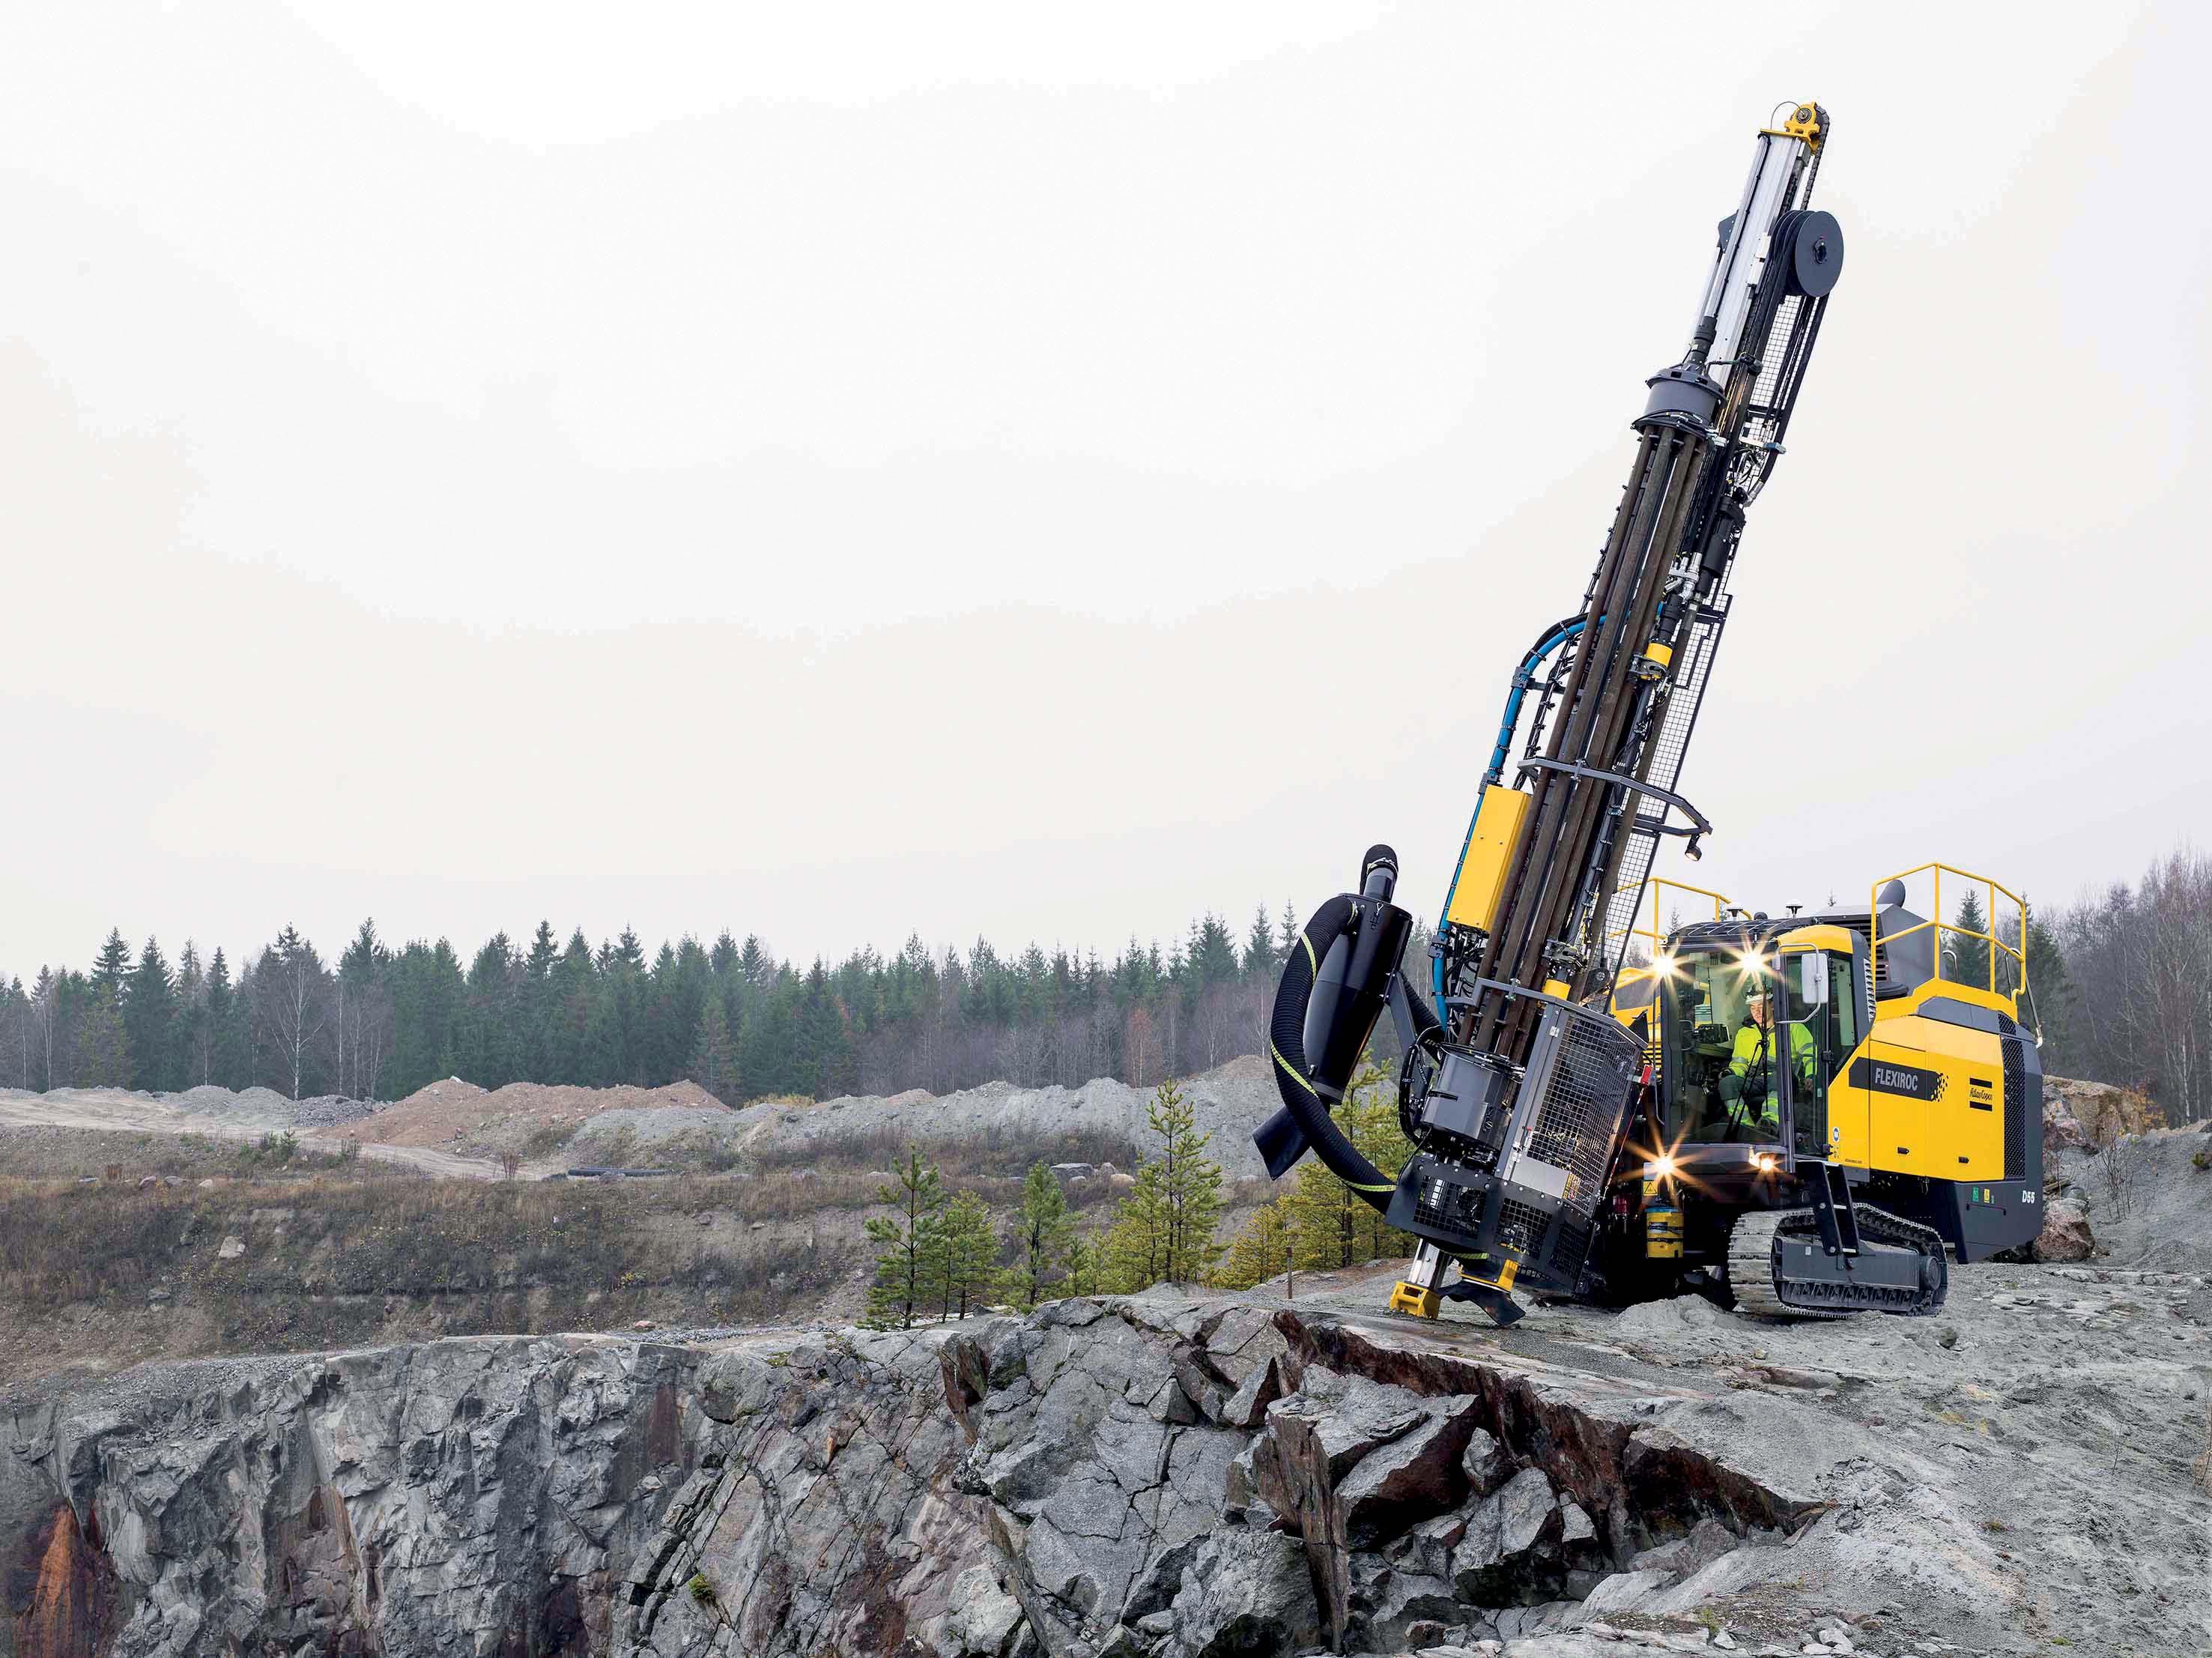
{"x": 1536, "y": 1208}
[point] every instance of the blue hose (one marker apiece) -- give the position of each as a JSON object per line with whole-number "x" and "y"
{"x": 1523, "y": 678}
{"x": 1521, "y": 682}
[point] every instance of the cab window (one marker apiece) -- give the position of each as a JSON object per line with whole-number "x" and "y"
{"x": 1704, "y": 1001}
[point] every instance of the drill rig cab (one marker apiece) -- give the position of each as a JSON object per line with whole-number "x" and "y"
{"x": 1830, "y": 1102}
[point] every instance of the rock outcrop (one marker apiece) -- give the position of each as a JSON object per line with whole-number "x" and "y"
{"x": 461, "y": 1496}
{"x": 1129, "y": 1479}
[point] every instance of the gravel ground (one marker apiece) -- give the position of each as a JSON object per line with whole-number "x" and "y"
{"x": 2018, "y": 1473}
{"x": 2150, "y": 1203}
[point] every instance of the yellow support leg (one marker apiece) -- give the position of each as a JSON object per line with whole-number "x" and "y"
{"x": 1419, "y": 1300}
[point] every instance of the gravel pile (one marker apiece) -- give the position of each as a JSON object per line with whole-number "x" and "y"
{"x": 321, "y": 1110}
{"x": 521, "y": 1115}
{"x": 1230, "y": 1102}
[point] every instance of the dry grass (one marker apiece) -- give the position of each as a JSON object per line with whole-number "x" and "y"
{"x": 363, "y": 1254}
{"x": 973, "y": 1157}
{"x": 63, "y": 1243}
{"x": 59, "y": 1153}
{"x": 330, "y": 1262}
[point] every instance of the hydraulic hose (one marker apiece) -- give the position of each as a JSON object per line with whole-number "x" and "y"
{"x": 1286, "y": 1033}
{"x": 1524, "y": 680}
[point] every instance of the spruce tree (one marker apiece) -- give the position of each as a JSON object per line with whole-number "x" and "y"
{"x": 2050, "y": 994}
{"x": 103, "y": 1053}
{"x": 1260, "y": 957}
{"x": 714, "y": 1055}
{"x": 226, "y": 1064}
{"x": 149, "y": 1014}
{"x": 824, "y": 1057}
{"x": 1968, "y": 958}
{"x": 1043, "y": 1230}
{"x": 916, "y": 1191}
{"x": 189, "y": 1051}
{"x": 111, "y": 968}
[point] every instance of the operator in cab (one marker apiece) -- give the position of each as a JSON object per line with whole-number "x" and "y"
{"x": 1750, "y": 1090}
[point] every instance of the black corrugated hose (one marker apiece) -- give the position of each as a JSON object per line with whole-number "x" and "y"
{"x": 1286, "y": 1033}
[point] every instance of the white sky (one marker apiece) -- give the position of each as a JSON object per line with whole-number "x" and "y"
{"x": 836, "y": 472}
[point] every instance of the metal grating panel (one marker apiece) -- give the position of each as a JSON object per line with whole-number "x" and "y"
{"x": 1569, "y": 1250}
{"x": 1668, "y": 746}
{"x": 1519, "y": 1226}
{"x": 1774, "y": 353}
{"x": 1585, "y": 1096}
{"x": 2016, "y": 1105}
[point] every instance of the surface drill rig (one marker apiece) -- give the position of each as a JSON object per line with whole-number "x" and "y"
{"x": 1520, "y": 1090}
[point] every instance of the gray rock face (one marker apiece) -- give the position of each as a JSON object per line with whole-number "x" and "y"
{"x": 1245, "y": 1593}
{"x": 449, "y": 1498}
{"x": 1129, "y": 1479}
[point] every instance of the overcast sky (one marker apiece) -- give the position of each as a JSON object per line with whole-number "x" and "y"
{"x": 839, "y": 472}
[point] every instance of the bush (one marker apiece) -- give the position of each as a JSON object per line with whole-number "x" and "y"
{"x": 271, "y": 1151}
{"x": 544, "y": 1140}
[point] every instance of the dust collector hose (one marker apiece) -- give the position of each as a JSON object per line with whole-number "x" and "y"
{"x": 1286, "y": 1033}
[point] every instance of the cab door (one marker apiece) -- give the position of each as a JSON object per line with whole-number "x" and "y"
{"x": 1827, "y": 1116}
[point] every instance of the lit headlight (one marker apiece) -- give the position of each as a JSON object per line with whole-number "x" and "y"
{"x": 1660, "y": 1166}
{"x": 1766, "y": 1162}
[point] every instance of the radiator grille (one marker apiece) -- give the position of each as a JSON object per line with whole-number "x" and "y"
{"x": 2016, "y": 1104}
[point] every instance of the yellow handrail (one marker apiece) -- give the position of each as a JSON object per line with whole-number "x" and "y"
{"x": 1985, "y": 883}
{"x": 1651, "y": 884}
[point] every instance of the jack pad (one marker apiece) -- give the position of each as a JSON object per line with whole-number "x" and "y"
{"x": 1412, "y": 1299}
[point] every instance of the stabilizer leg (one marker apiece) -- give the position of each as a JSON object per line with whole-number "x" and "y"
{"x": 1416, "y": 1292}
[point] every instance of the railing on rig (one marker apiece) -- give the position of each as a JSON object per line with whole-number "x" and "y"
{"x": 1992, "y": 957}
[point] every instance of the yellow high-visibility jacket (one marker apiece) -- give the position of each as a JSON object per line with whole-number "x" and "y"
{"x": 1751, "y": 1049}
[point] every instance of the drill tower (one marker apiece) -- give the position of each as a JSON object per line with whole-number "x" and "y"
{"x": 1516, "y": 1092}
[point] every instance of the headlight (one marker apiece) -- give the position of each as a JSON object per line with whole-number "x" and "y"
{"x": 1661, "y": 1167}
{"x": 1766, "y": 1162}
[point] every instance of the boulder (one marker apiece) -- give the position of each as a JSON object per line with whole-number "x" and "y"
{"x": 2065, "y": 1235}
{"x": 1246, "y": 1591}
{"x": 980, "y": 1617}
{"x": 1485, "y": 1463}
{"x": 2091, "y": 1115}
{"x": 1624, "y": 1591}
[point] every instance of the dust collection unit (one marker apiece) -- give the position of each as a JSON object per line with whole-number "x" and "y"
{"x": 1587, "y": 1125}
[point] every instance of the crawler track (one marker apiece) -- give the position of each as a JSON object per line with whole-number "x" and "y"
{"x": 1755, "y": 1277}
